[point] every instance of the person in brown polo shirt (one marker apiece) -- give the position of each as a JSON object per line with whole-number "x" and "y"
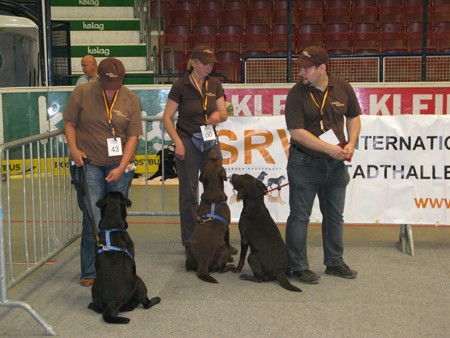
{"x": 200, "y": 103}
{"x": 317, "y": 109}
{"x": 102, "y": 124}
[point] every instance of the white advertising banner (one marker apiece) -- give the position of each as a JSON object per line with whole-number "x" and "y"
{"x": 400, "y": 172}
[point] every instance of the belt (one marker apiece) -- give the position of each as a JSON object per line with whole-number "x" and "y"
{"x": 294, "y": 146}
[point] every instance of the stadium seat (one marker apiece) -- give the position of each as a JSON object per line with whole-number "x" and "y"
{"x": 390, "y": 15}
{"x": 337, "y": 15}
{"x": 414, "y": 14}
{"x": 414, "y": 3}
{"x": 204, "y": 29}
{"x": 311, "y": 4}
{"x": 278, "y": 43}
{"x": 365, "y": 42}
{"x": 393, "y": 42}
{"x": 338, "y": 43}
{"x": 259, "y": 16}
{"x": 200, "y": 39}
{"x": 178, "y": 29}
{"x": 310, "y": 28}
{"x": 216, "y": 5}
{"x": 444, "y": 42}
{"x": 229, "y": 42}
{"x": 415, "y": 41}
{"x": 283, "y": 29}
{"x": 414, "y": 27}
{"x": 443, "y": 26}
{"x": 161, "y": 12}
{"x": 232, "y": 57}
{"x": 365, "y": 3}
{"x": 172, "y": 53}
{"x": 257, "y": 28}
{"x": 364, "y": 28}
{"x": 179, "y": 17}
{"x": 387, "y": 27}
{"x": 338, "y": 4}
{"x": 440, "y": 13}
{"x": 189, "y": 5}
{"x": 308, "y": 39}
{"x": 364, "y": 15}
{"x": 242, "y": 5}
{"x": 284, "y": 4}
{"x": 390, "y": 3}
{"x": 337, "y": 28}
{"x": 267, "y": 4}
{"x": 232, "y": 17}
{"x": 231, "y": 29}
{"x": 313, "y": 15}
{"x": 255, "y": 44}
{"x": 228, "y": 69}
{"x": 279, "y": 16}
{"x": 206, "y": 17}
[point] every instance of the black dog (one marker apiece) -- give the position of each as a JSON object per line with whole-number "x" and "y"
{"x": 208, "y": 249}
{"x": 116, "y": 287}
{"x": 268, "y": 257}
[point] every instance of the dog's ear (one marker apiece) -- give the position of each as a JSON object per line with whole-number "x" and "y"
{"x": 101, "y": 203}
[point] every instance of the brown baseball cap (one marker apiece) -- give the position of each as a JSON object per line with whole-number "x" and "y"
{"x": 312, "y": 56}
{"x": 111, "y": 72}
{"x": 204, "y": 54}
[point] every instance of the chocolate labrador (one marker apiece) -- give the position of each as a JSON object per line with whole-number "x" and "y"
{"x": 208, "y": 249}
{"x": 268, "y": 257}
{"x": 116, "y": 287}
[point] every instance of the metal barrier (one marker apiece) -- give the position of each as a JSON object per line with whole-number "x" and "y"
{"x": 42, "y": 195}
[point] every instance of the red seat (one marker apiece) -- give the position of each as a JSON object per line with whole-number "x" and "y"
{"x": 259, "y": 16}
{"x": 278, "y": 43}
{"x": 204, "y": 29}
{"x": 390, "y": 15}
{"x": 365, "y": 3}
{"x": 414, "y": 27}
{"x": 231, "y": 29}
{"x": 215, "y": 5}
{"x": 444, "y": 42}
{"x": 206, "y": 17}
{"x": 308, "y": 39}
{"x": 415, "y": 41}
{"x": 390, "y": 3}
{"x": 283, "y": 29}
{"x": 295, "y": 4}
{"x": 414, "y": 14}
{"x": 337, "y": 15}
{"x": 393, "y": 42}
{"x": 179, "y": 17}
{"x": 161, "y": 11}
{"x": 232, "y": 57}
{"x": 255, "y": 44}
{"x": 227, "y": 69}
{"x": 178, "y": 29}
{"x": 257, "y": 29}
{"x": 172, "y": 53}
{"x": 339, "y": 4}
{"x": 194, "y": 40}
{"x": 279, "y": 16}
{"x": 267, "y": 4}
{"x": 440, "y": 13}
{"x": 443, "y": 26}
{"x": 388, "y": 27}
{"x": 242, "y": 4}
{"x": 229, "y": 42}
{"x": 364, "y": 15}
{"x": 337, "y": 28}
{"x": 312, "y": 15}
{"x": 189, "y": 5}
{"x": 311, "y": 4}
{"x": 232, "y": 17}
{"x": 414, "y": 3}
{"x": 364, "y": 28}
{"x": 338, "y": 43}
{"x": 365, "y": 42}
{"x": 310, "y": 28}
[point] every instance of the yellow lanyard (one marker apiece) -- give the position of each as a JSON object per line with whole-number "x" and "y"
{"x": 320, "y": 106}
{"x": 109, "y": 108}
{"x": 204, "y": 97}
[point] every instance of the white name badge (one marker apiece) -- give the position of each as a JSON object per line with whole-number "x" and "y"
{"x": 114, "y": 146}
{"x": 208, "y": 133}
{"x": 329, "y": 137}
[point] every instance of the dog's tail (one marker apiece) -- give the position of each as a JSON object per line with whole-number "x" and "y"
{"x": 203, "y": 273}
{"x": 284, "y": 282}
{"x": 110, "y": 315}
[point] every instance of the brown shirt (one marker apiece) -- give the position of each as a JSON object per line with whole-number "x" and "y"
{"x": 86, "y": 108}
{"x": 302, "y": 113}
{"x": 191, "y": 114}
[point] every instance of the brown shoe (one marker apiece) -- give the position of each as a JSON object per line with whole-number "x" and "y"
{"x": 87, "y": 281}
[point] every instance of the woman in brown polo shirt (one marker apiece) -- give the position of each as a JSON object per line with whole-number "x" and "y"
{"x": 199, "y": 101}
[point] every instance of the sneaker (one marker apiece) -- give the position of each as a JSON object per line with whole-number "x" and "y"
{"x": 87, "y": 281}
{"x": 307, "y": 276}
{"x": 342, "y": 270}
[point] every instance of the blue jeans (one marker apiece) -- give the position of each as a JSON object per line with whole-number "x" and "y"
{"x": 310, "y": 176}
{"x": 188, "y": 172}
{"x": 98, "y": 187}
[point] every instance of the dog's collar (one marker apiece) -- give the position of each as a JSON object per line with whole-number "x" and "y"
{"x": 108, "y": 246}
{"x": 212, "y": 215}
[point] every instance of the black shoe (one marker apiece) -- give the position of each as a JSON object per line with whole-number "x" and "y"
{"x": 307, "y": 276}
{"x": 341, "y": 271}
{"x": 233, "y": 250}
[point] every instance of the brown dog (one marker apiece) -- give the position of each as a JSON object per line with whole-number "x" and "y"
{"x": 268, "y": 257}
{"x": 208, "y": 250}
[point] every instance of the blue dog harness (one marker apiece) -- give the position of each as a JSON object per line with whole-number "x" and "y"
{"x": 212, "y": 215}
{"x": 109, "y": 247}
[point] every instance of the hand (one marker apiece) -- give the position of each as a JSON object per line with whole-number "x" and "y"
{"x": 114, "y": 175}
{"x": 180, "y": 151}
{"x": 214, "y": 119}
